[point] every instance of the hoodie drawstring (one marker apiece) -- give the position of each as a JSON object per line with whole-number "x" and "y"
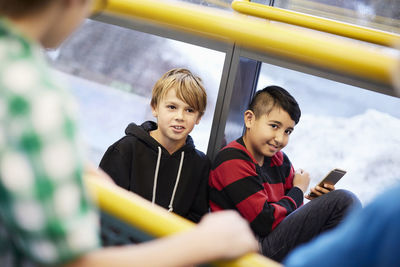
{"x": 170, "y": 208}
{"x": 153, "y": 199}
{"x": 178, "y": 176}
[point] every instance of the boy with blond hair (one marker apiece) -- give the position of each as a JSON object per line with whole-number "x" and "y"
{"x": 252, "y": 175}
{"x": 158, "y": 160}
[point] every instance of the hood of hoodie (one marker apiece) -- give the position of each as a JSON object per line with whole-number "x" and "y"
{"x": 140, "y": 164}
{"x": 164, "y": 188}
{"x": 142, "y": 132}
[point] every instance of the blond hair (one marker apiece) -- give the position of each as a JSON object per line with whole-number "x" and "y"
{"x": 188, "y": 87}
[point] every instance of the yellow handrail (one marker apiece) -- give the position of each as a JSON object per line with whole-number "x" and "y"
{"x": 154, "y": 220}
{"x": 316, "y": 23}
{"x": 98, "y": 5}
{"x": 311, "y": 48}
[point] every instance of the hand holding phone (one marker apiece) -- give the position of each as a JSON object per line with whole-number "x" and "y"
{"x": 301, "y": 179}
{"x": 331, "y": 178}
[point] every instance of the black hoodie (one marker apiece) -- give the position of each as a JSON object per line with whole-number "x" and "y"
{"x": 132, "y": 162}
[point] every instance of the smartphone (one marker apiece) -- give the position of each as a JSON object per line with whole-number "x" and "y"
{"x": 331, "y": 178}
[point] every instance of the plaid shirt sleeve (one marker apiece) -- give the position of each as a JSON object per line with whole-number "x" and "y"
{"x": 46, "y": 213}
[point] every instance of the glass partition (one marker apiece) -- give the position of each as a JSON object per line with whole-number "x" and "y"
{"x": 224, "y": 4}
{"x": 243, "y": 84}
{"x": 383, "y": 14}
{"x": 111, "y": 71}
{"x": 341, "y": 126}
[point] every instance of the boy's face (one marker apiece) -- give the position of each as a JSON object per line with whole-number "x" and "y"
{"x": 175, "y": 118}
{"x": 268, "y": 134}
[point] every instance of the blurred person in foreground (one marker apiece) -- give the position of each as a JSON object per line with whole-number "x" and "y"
{"x": 46, "y": 216}
{"x": 367, "y": 237}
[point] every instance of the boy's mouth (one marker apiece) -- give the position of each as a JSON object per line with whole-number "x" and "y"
{"x": 273, "y": 147}
{"x": 178, "y": 129}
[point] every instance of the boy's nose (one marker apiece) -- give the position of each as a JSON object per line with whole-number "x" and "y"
{"x": 179, "y": 114}
{"x": 278, "y": 138}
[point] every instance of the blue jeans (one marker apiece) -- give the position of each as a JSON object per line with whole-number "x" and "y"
{"x": 318, "y": 215}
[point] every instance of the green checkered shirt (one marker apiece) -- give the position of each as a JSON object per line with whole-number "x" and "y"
{"x": 46, "y": 216}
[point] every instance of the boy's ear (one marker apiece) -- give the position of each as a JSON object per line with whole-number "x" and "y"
{"x": 154, "y": 111}
{"x": 249, "y": 118}
{"x": 198, "y": 119}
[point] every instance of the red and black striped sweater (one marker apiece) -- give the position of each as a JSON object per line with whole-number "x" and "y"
{"x": 263, "y": 195}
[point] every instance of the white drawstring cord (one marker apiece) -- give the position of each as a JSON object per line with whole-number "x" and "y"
{"x": 170, "y": 208}
{"x": 178, "y": 176}
{"x": 153, "y": 199}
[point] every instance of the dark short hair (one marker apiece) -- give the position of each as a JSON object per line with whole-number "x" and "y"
{"x": 272, "y": 96}
{"x": 19, "y": 8}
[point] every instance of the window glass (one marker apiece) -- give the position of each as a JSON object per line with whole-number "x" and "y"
{"x": 341, "y": 126}
{"x": 224, "y": 4}
{"x": 111, "y": 71}
{"x": 382, "y": 14}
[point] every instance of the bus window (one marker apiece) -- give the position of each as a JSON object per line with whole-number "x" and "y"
{"x": 111, "y": 71}
{"x": 224, "y": 4}
{"x": 383, "y": 15}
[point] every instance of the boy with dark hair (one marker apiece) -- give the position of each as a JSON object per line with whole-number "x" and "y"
{"x": 159, "y": 160}
{"x": 46, "y": 216}
{"x": 252, "y": 175}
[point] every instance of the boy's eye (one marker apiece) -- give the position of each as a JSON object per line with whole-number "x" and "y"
{"x": 171, "y": 107}
{"x": 274, "y": 126}
{"x": 190, "y": 110}
{"x": 288, "y": 132}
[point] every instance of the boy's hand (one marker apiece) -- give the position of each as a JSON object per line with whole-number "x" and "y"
{"x": 319, "y": 191}
{"x": 301, "y": 179}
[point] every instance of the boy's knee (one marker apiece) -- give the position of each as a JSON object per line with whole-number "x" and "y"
{"x": 346, "y": 198}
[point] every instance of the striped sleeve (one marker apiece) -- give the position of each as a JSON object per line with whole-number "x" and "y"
{"x": 235, "y": 184}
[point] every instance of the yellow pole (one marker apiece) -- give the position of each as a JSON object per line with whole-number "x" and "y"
{"x": 98, "y": 5}
{"x": 316, "y": 23}
{"x": 154, "y": 220}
